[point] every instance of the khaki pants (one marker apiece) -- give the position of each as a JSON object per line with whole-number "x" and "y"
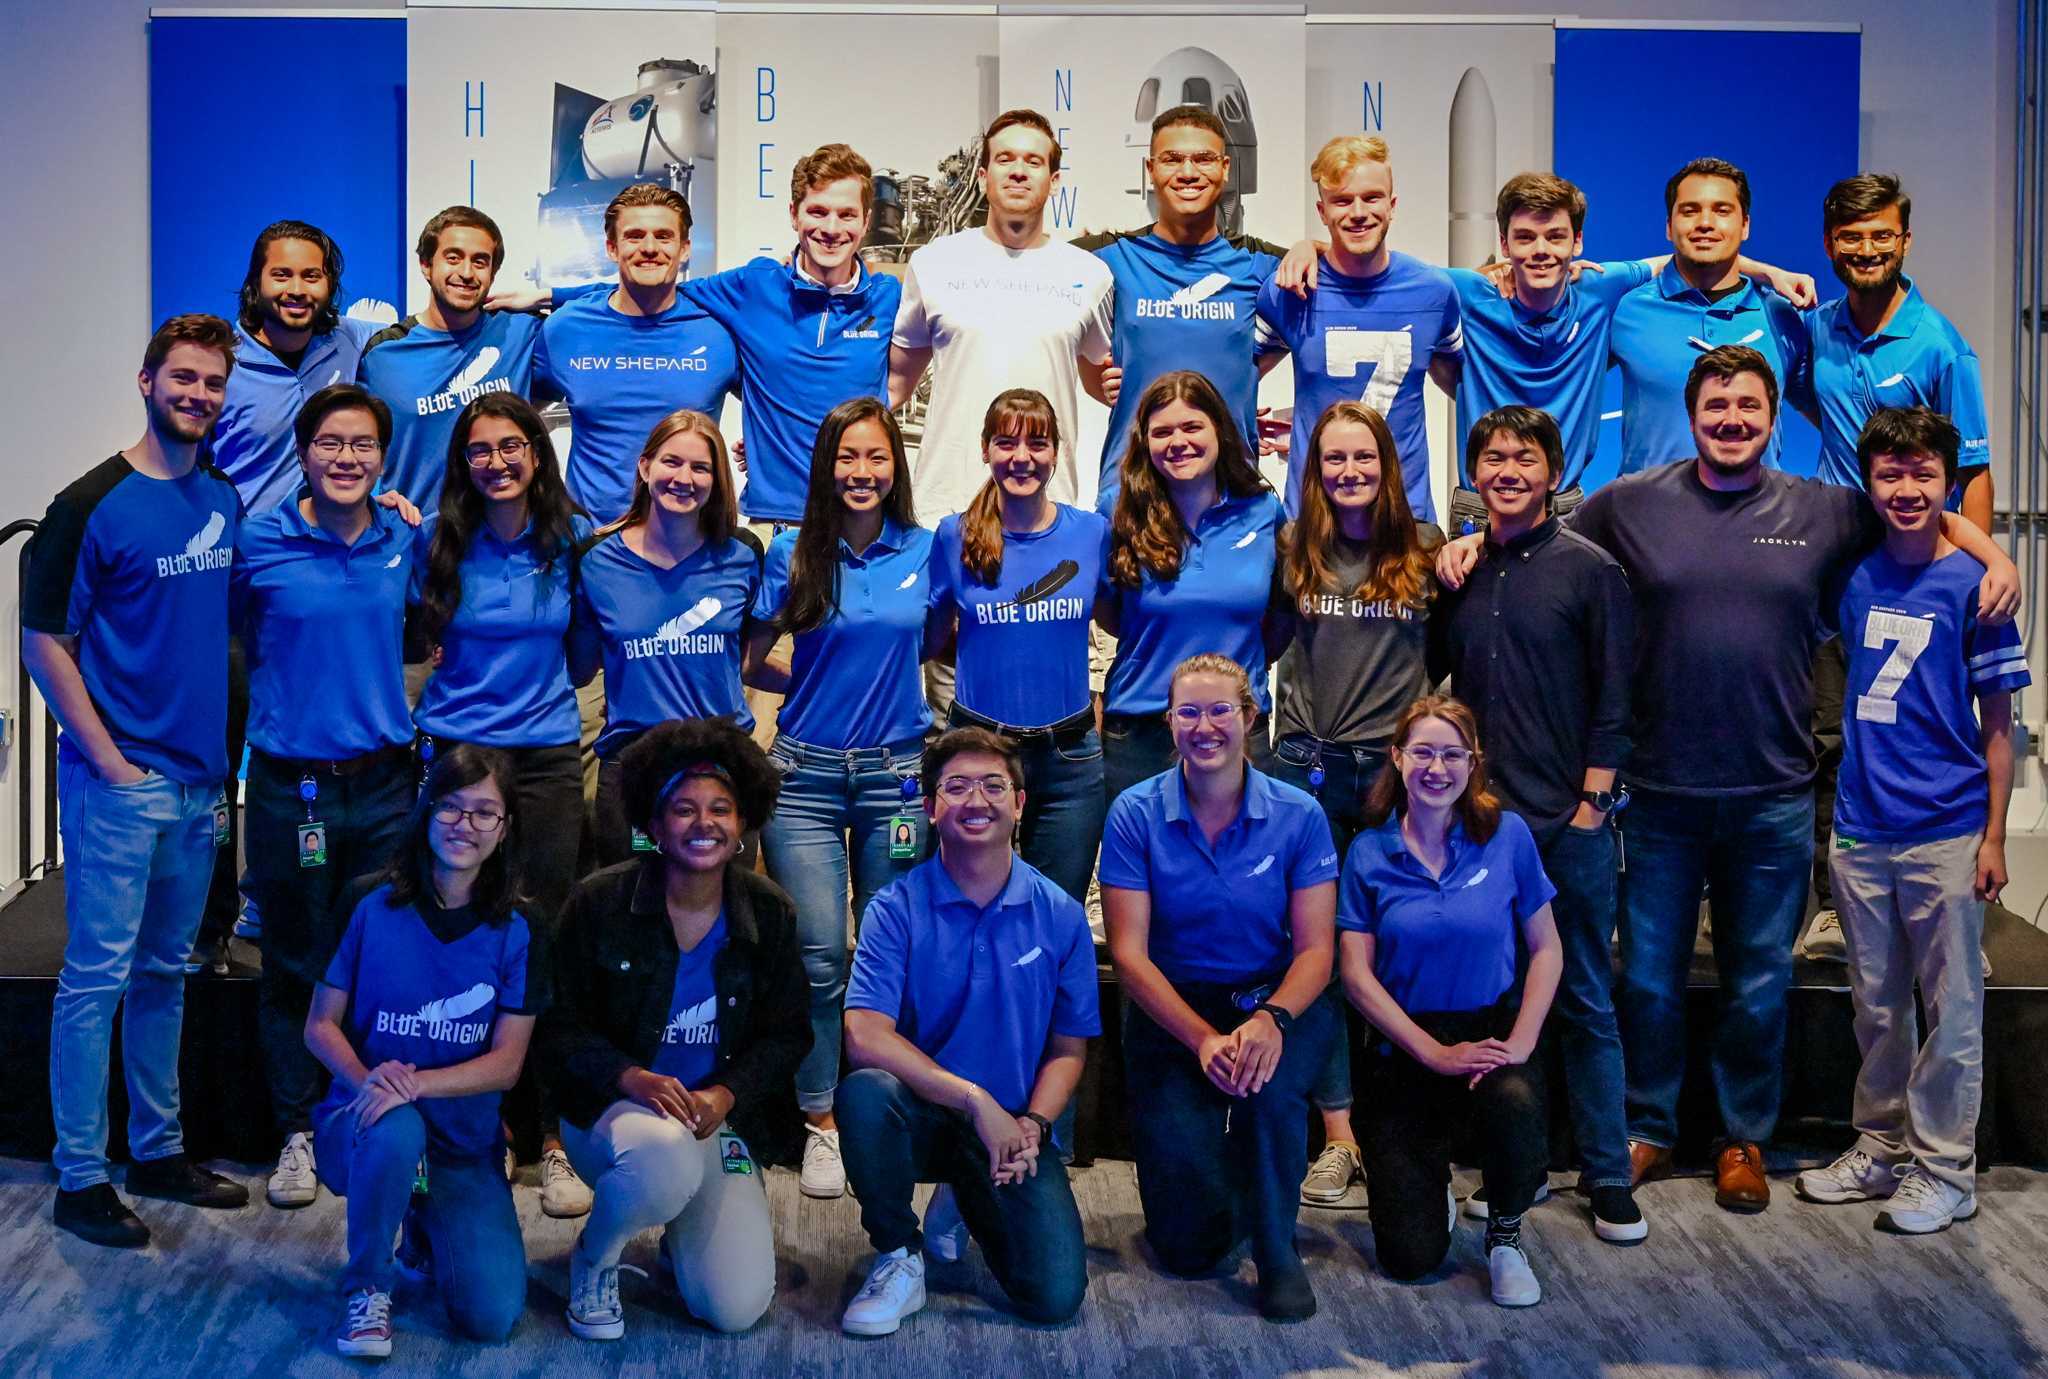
{"x": 590, "y": 713}
{"x": 1909, "y": 911}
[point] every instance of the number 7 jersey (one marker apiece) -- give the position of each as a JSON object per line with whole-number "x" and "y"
{"x": 1912, "y": 766}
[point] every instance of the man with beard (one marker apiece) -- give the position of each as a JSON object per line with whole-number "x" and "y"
{"x": 124, "y": 617}
{"x": 622, "y": 361}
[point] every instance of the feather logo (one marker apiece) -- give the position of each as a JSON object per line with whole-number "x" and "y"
{"x": 691, "y": 1026}
{"x": 1893, "y": 381}
{"x": 1265, "y": 865}
{"x": 1029, "y": 957}
{"x": 397, "y": 559}
{"x": 1245, "y": 540}
{"x": 1751, "y": 338}
{"x": 690, "y": 619}
{"x": 476, "y": 370}
{"x": 697, "y": 351}
{"x": 333, "y": 379}
{"x": 209, "y": 535}
{"x": 1050, "y": 583}
{"x": 372, "y": 309}
{"x": 908, "y": 580}
{"x": 449, "y": 1009}
{"x": 1201, "y": 290}
{"x": 1477, "y": 877}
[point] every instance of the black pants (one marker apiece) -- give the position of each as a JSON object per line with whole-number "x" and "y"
{"x": 297, "y": 1079}
{"x": 547, "y": 830}
{"x": 223, "y": 897}
{"x": 1830, "y": 688}
{"x": 1415, "y": 1120}
{"x": 1137, "y": 747}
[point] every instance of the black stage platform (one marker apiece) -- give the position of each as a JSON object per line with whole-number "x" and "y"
{"x": 226, "y": 1110}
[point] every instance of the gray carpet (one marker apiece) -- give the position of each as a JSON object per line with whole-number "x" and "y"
{"x": 1801, "y": 1290}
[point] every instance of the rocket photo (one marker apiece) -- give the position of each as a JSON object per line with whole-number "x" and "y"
{"x": 1475, "y": 175}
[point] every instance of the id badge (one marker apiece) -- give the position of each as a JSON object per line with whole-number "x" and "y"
{"x": 903, "y": 836}
{"x": 643, "y": 843}
{"x": 732, "y": 1154}
{"x": 313, "y": 844}
{"x": 220, "y": 820}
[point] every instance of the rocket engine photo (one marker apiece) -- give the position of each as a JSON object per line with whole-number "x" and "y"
{"x": 1196, "y": 76}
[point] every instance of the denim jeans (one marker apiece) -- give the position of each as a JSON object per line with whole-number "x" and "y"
{"x": 467, "y": 1214}
{"x": 1348, "y": 774}
{"x": 1213, "y": 1168}
{"x": 831, "y": 828}
{"x": 1580, "y": 863}
{"x": 1137, "y": 747}
{"x": 1063, "y": 805}
{"x": 137, "y": 863}
{"x": 1029, "y": 1231}
{"x": 1752, "y": 855}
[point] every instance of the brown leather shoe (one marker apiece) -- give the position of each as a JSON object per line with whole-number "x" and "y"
{"x": 1739, "y": 1182}
{"x": 1647, "y": 1163}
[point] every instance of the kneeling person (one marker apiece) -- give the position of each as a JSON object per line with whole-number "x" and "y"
{"x": 967, "y": 1017}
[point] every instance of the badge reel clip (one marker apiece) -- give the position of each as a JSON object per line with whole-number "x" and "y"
{"x": 903, "y": 825}
{"x": 312, "y": 833}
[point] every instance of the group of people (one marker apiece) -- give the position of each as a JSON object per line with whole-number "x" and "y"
{"x": 509, "y": 826}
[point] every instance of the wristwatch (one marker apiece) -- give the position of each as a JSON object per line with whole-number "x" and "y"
{"x": 1044, "y": 1125}
{"x": 1601, "y": 800}
{"x": 1280, "y": 1016}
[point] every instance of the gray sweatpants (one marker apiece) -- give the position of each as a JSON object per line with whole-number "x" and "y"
{"x": 1909, "y": 911}
{"x": 646, "y": 1171}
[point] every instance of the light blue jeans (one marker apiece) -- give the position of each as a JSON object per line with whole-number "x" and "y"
{"x": 137, "y": 863}
{"x": 834, "y": 819}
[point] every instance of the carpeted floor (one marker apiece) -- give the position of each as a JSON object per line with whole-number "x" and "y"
{"x": 1801, "y": 1290}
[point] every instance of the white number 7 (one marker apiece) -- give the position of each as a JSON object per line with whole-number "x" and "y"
{"x": 1388, "y": 352}
{"x": 1910, "y": 637}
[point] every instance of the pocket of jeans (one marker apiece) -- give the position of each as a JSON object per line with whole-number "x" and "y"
{"x": 1089, "y": 748}
{"x": 149, "y": 778}
{"x": 1294, "y": 753}
{"x": 782, "y": 760}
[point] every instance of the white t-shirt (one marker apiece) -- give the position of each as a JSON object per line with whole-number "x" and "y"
{"x": 998, "y": 318}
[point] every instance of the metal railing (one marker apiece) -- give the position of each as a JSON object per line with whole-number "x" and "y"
{"x": 26, "y": 722}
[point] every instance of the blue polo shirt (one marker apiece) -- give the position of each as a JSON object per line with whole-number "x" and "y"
{"x": 979, "y": 990}
{"x": 1219, "y": 912}
{"x": 1554, "y": 360}
{"x": 1036, "y": 616}
{"x": 427, "y": 989}
{"x": 857, "y": 679}
{"x": 428, "y": 376}
{"x": 1449, "y": 942}
{"x": 803, "y": 349}
{"x": 688, "y": 1051}
{"x": 1663, "y": 326}
{"x": 621, "y": 374}
{"x": 1916, "y": 359}
{"x": 669, "y": 641}
{"x": 1217, "y": 604}
{"x": 1367, "y": 340}
{"x": 253, "y": 442}
{"x": 323, "y": 623}
{"x": 503, "y": 680}
{"x": 136, "y": 569}
{"x": 1183, "y": 307}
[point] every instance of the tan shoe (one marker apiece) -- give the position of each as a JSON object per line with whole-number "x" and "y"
{"x": 1739, "y": 1182}
{"x": 1647, "y": 1163}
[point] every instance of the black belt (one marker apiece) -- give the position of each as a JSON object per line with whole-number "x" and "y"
{"x": 347, "y": 766}
{"x": 1068, "y": 729}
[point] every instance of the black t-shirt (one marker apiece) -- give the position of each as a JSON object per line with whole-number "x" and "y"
{"x": 1354, "y": 665}
{"x": 1728, "y": 591}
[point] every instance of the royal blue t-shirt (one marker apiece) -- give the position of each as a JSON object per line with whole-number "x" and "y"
{"x": 503, "y": 680}
{"x": 427, "y": 989}
{"x": 253, "y": 442}
{"x": 1183, "y": 307}
{"x": 621, "y": 374}
{"x": 803, "y": 350}
{"x": 1022, "y": 654}
{"x": 1449, "y": 942}
{"x": 688, "y": 1051}
{"x": 978, "y": 990}
{"x": 323, "y": 624}
{"x": 669, "y": 641}
{"x": 428, "y": 376}
{"x": 136, "y": 569}
{"x": 1912, "y": 760}
{"x": 1367, "y": 340}
{"x": 1219, "y": 911}
{"x": 1218, "y": 603}
{"x": 857, "y": 679}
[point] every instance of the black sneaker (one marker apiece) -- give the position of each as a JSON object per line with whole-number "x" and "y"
{"x": 98, "y": 1214}
{"x": 1616, "y": 1218}
{"x": 1287, "y": 1296}
{"x": 177, "y": 1179}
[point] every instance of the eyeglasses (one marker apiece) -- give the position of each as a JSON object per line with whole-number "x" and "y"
{"x": 1876, "y": 239}
{"x": 482, "y": 820}
{"x": 1191, "y": 715}
{"x": 330, "y": 447}
{"x": 1456, "y": 758}
{"x": 1201, "y": 162}
{"x": 509, "y": 451}
{"x": 956, "y": 789}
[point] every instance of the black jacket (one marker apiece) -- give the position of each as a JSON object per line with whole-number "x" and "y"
{"x": 615, "y": 972}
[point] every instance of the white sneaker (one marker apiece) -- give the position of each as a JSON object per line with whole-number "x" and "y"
{"x": 1330, "y": 1177}
{"x": 366, "y": 1327}
{"x": 1855, "y": 1177}
{"x": 1451, "y": 1197}
{"x": 294, "y": 1184}
{"x": 1514, "y": 1282}
{"x": 562, "y": 1193}
{"x": 249, "y": 923}
{"x": 1823, "y": 940}
{"x": 594, "y": 1312}
{"x": 1925, "y": 1204}
{"x": 894, "y": 1290}
{"x": 1475, "y": 1205}
{"x": 945, "y": 1230}
{"x": 824, "y": 1172}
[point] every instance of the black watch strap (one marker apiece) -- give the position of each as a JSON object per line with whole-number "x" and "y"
{"x": 1602, "y": 800}
{"x": 1280, "y": 1016}
{"x": 1044, "y": 1125}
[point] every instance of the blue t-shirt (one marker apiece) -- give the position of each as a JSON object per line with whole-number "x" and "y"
{"x": 1553, "y": 360}
{"x": 669, "y": 641}
{"x": 978, "y": 990}
{"x": 428, "y": 376}
{"x": 1916, "y": 359}
{"x": 620, "y": 375}
{"x": 857, "y": 679}
{"x": 688, "y": 1051}
{"x": 136, "y": 569}
{"x": 1022, "y": 654}
{"x": 1219, "y": 911}
{"x": 804, "y": 349}
{"x": 1182, "y": 307}
{"x": 1663, "y": 326}
{"x": 1367, "y": 340}
{"x": 253, "y": 442}
{"x": 503, "y": 680}
{"x": 1218, "y": 603}
{"x": 429, "y": 992}
{"x": 323, "y": 624}
{"x": 1912, "y": 762}
{"x": 1449, "y": 942}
